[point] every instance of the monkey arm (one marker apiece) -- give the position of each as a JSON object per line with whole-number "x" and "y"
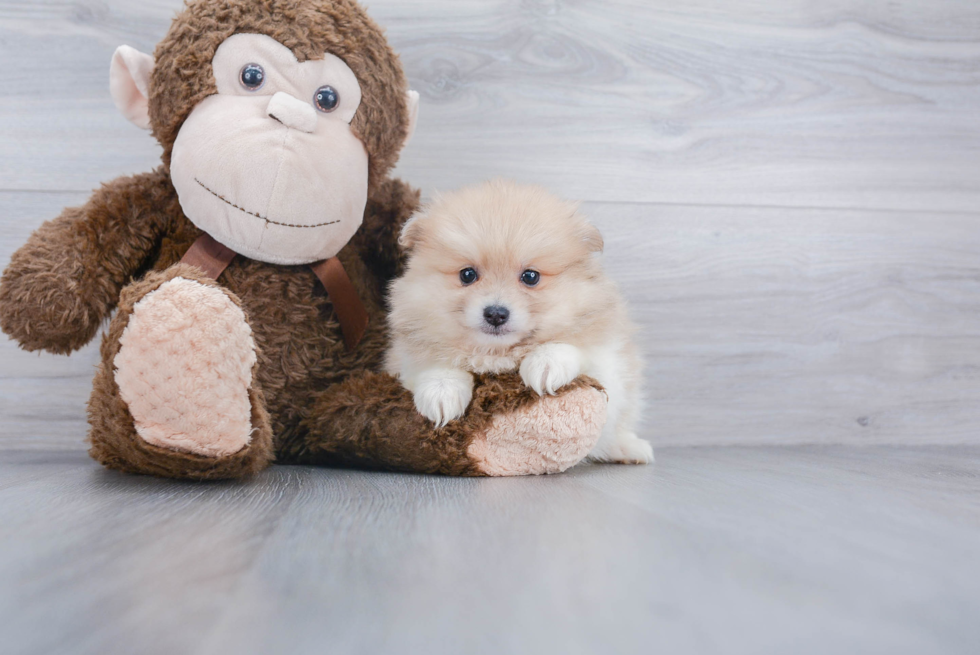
{"x": 391, "y": 204}
{"x": 62, "y": 283}
{"x": 370, "y": 420}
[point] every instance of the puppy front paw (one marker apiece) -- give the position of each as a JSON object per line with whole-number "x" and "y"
{"x": 442, "y": 395}
{"x": 550, "y": 367}
{"x": 626, "y": 449}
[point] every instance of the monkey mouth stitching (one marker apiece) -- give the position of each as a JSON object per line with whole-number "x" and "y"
{"x": 267, "y": 220}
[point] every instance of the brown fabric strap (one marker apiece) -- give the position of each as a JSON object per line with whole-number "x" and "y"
{"x": 213, "y": 258}
{"x": 346, "y": 303}
{"x": 209, "y": 256}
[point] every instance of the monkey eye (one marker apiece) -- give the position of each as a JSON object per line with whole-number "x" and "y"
{"x": 530, "y": 278}
{"x": 468, "y": 276}
{"x": 326, "y": 98}
{"x": 252, "y": 77}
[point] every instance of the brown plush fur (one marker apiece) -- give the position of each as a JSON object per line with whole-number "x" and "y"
{"x": 182, "y": 77}
{"x": 114, "y": 439}
{"x": 382, "y": 424}
{"x": 66, "y": 279}
{"x": 312, "y": 399}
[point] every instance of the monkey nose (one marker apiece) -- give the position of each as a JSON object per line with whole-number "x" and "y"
{"x": 292, "y": 112}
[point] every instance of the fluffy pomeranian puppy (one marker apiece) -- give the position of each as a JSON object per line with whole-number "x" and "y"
{"x": 504, "y": 277}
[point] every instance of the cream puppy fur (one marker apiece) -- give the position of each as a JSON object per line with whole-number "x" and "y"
{"x": 505, "y": 277}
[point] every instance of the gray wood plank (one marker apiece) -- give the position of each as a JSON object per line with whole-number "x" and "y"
{"x": 734, "y": 550}
{"x": 830, "y": 104}
{"x": 42, "y": 396}
{"x": 91, "y": 561}
{"x": 802, "y": 326}
{"x": 760, "y": 325}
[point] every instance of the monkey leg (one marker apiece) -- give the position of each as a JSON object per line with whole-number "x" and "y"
{"x": 175, "y": 394}
{"x": 371, "y": 420}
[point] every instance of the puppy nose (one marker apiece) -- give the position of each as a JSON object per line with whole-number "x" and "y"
{"x": 292, "y": 112}
{"x": 496, "y": 315}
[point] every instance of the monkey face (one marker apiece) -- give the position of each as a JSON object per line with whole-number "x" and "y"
{"x": 268, "y": 165}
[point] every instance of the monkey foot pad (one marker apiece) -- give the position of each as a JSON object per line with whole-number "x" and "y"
{"x": 549, "y": 437}
{"x": 184, "y": 369}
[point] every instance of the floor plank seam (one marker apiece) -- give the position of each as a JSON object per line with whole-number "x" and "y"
{"x": 665, "y": 203}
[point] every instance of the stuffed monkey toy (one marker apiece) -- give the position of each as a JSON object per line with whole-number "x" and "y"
{"x": 248, "y": 272}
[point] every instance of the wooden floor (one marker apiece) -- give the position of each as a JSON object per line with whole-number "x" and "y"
{"x": 790, "y": 195}
{"x": 807, "y": 549}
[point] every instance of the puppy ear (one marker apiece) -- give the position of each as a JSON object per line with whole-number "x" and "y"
{"x": 592, "y": 238}
{"x": 411, "y": 233}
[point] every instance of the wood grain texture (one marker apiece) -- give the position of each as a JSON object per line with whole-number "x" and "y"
{"x": 802, "y": 103}
{"x": 42, "y": 396}
{"x": 764, "y": 324}
{"x": 802, "y": 326}
{"x": 712, "y": 550}
{"x": 789, "y": 197}
{"x": 759, "y": 325}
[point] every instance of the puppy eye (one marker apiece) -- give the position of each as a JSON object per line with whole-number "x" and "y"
{"x": 468, "y": 276}
{"x": 530, "y": 278}
{"x": 326, "y": 98}
{"x": 252, "y": 77}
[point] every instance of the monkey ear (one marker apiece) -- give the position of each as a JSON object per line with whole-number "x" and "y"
{"x": 412, "y": 100}
{"x": 129, "y": 84}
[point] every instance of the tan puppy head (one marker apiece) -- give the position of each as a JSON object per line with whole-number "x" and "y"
{"x": 496, "y": 265}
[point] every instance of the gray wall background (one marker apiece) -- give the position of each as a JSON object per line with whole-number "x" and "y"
{"x": 790, "y": 190}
